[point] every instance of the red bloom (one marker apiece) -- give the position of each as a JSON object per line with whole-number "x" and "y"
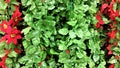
{"x": 111, "y": 66}
{"x": 115, "y": 43}
{"x": 100, "y": 21}
{"x": 112, "y": 34}
{"x": 5, "y": 27}
{"x": 110, "y": 52}
{"x": 117, "y": 57}
{"x": 2, "y": 63}
{"x": 114, "y": 14}
{"x": 13, "y": 36}
{"x": 18, "y": 51}
{"x": 98, "y": 25}
{"x": 103, "y": 7}
{"x": 16, "y": 17}
{"x": 98, "y": 17}
{"x": 8, "y": 1}
{"x": 109, "y": 47}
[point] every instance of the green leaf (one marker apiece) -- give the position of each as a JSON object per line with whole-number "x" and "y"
{"x": 12, "y": 54}
{"x": 31, "y": 50}
{"x": 79, "y": 33}
{"x": 23, "y": 59}
{"x": 67, "y": 65}
{"x": 36, "y": 41}
{"x": 2, "y": 45}
{"x": 3, "y": 7}
{"x": 2, "y": 53}
{"x": 72, "y": 34}
{"x": 17, "y": 65}
{"x": 26, "y": 30}
{"x": 52, "y": 51}
{"x": 91, "y": 63}
{"x": 81, "y": 54}
{"x": 51, "y": 7}
{"x": 72, "y": 23}
{"x": 63, "y": 31}
{"x": 32, "y": 6}
{"x": 96, "y": 57}
{"x": 112, "y": 60}
{"x": 28, "y": 18}
{"x": 8, "y": 61}
{"x": 25, "y": 44}
{"x": 102, "y": 65}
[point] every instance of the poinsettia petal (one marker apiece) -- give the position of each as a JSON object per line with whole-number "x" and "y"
{"x": 15, "y": 41}
{"x": 111, "y": 66}
{"x": 110, "y": 52}
{"x": 109, "y": 47}
{"x": 18, "y": 37}
{"x": 103, "y": 7}
{"x": 8, "y": 1}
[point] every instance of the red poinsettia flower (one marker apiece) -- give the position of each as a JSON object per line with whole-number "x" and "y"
{"x": 110, "y": 52}
{"x": 115, "y": 43}
{"x": 103, "y": 7}
{"x": 5, "y": 27}
{"x": 117, "y": 57}
{"x": 16, "y": 17}
{"x": 109, "y": 47}
{"x": 13, "y": 36}
{"x": 114, "y": 14}
{"x": 112, "y": 34}
{"x": 111, "y": 66}
{"x": 100, "y": 21}
{"x": 2, "y": 63}
{"x": 18, "y": 51}
{"x": 98, "y": 25}
{"x": 8, "y": 1}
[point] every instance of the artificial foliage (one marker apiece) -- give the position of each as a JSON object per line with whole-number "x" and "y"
{"x": 59, "y": 34}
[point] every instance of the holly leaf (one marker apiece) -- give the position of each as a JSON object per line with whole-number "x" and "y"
{"x": 12, "y": 54}
{"x": 63, "y": 31}
{"x": 72, "y": 23}
{"x": 26, "y": 30}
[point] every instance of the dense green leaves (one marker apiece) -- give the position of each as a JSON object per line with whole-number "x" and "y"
{"x": 60, "y": 34}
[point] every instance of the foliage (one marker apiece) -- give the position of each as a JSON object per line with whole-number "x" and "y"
{"x": 59, "y": 34}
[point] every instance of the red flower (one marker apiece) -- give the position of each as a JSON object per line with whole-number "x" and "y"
{"x": 18, "y": 51}
{"x": 111, "y": 26}
{"x": 5, "y": 27}
{"x": 111, "y": 66}
{"x": 2, "y": 63}
{"x": 110, "y": 52}
{"x": 16, "y": 17}
{"x": 98, "y": 17}
{"x": 13, "y": 36}
{"x": 8, "y": 1}
{"x": 115, "y": 43}
{"x": 114, "y": 14}
{"x": 112, "y": 34}
{"x": 98, "y": 25}
{"x": 117, "y": 57}
{"x": 109, "y": 47}
{"x": 103, "y": 7}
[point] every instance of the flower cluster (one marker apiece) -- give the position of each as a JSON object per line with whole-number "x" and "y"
{"x": 111, "y": 13}
{"x": 11, "y": 33}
